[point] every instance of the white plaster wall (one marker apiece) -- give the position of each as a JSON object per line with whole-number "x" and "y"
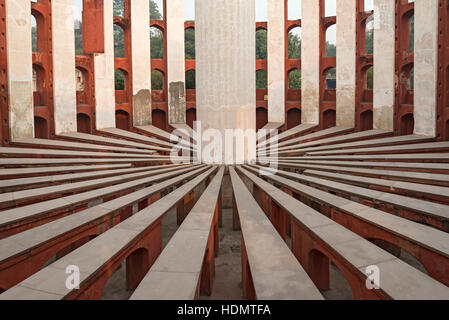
{"x": 426, "y": 66}
{"x": 310, "y": 60}
{"x": 104, "y": 74}
{"x": 176, "y": 61}
{"x": 276, "y": 65}
{"x": 141, "y": 62}
{"x": 384, "y": 64}
{"x": 64, "y": 83}
{"x": 226, "y": 78}
{"x": 346, "y": 62}
{"x": 20, "y": 70}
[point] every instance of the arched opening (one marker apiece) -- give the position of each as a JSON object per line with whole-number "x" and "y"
{"x": 40, "y": 128}
{"x": 121, "y": 86}
{"x": 2, "y": 290}
{"x": 119, "y": 42}
{"x": 369, "y": 35}
{"x": 157, "y": 80}
{"x": 158, "y": 119}
{"x": 407, "y": 84}
{"x": 189, "y": 42}
{"x": 119, "y": 8}
{"x": 294, "y": 79}
{"x": 294, "y": 43}
{"x": 411, "y": 34}
{"x": 328, "y": 278}
{"x": 261, "y": 79}
{"x": 293, "y": 118}
{"x": 261, "y": 44}
{"x": 156, "y": 43}
{"x": 39, "y": 85}
{"x": 190, "y": 80}
{"x": 82, "y": 86}
{"x": 331, "y": 79}
{"x": 78, "y": 27}
{"x": 33, "y": 33}
{"x": 191, "y": 117}
{"x": 83, "y": 123}
{"x": 157, "y": 9}
{"x": 407, "y": 124}
{"x": 122, "y": 120}
{"x": 330, "y": 8}
{"x": 329, "y": 119}
{"x": 261, "y": 118}
{"x": 370, "y": 78}
{"x": 294, "y": 10}
{"x": 331, "y": 41}
{"x": 126, "y": 277}
{"x": 366, "y": 120}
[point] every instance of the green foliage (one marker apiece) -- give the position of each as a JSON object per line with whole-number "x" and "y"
{"x": 261, "y": 44}
{"x": 294, "y": 79}
{"x": 155, "y": 14}
{"x": 370, "y": 79}
{"x": 78, "y": 38}
{"x": 119, "y": 8}
{"x": 119, "y": 42}
{"x": 369, "y": 41}
{"x": 119, "y": 78}
{"x": 157, "y": 80}
{"x": 261, "y": 79}
{"x": 189, "y": 36}
{"x": 157, "y": 43}
{"x": 34, "y": 38}
{"x": 294, "y": 46}
{"x": 190, "y": 79}
{"x": 331, "y": 50}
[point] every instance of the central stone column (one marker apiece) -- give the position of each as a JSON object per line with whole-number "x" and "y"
{"x": 225, "y": 75}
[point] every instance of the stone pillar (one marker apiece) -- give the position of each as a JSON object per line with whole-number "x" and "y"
{"x": 141, "y": 62}
{"x": 176, "y": 62}
{"x": 64, "y": 84}
{"x": 384, "y": 65}
{"x": 310, "y": 62}
{"x": 225, "y": 70}
{"x": 104, "y": 74}
{"x": 426, "y": 66}
{"x": 276, "y": 65}
{"x": 346, "y": 62}
{"x": 20, "y": 69}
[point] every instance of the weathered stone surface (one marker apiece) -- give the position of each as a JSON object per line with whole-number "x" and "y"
{"x": 310, "y": 58}
{"x": 20, "y": 83}
{"x": 426, "y": 66}
{"x": 384, "y": 60}
{"x": 141, "y": 62}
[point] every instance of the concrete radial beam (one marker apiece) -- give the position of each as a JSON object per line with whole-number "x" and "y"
{"x": 20, "y": 69}
{"x": 310, "y": 61}
{"x": 276, "y": 65}
{"x": 64, "y": 85}
{"x": 384, "y": 65}
{"x": 141, "y": 62}
{"x": 176, "y": 62}
{"x": 226, "y": 81}
{"x": 426, "y": 66}
{"x": 346, "y": 62}
{"x": 104, "y": 73}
